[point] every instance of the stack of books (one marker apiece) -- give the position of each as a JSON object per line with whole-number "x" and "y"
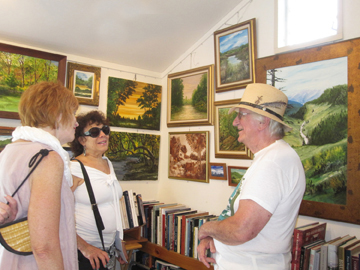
{"x": 132, "y": 210}
{"x": 310, "y": 251}
{"x": 174, "y": 226}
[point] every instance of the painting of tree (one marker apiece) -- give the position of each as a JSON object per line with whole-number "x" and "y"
{"x": 18, "y": 72}
{"x": 134, "y": 156}
{"x": 133, "y": 104}
{"x": 188, "y": 156}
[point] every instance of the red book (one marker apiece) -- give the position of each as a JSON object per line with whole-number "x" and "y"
{"x": 303, "y": 236}
{"x": 183, "y": 229}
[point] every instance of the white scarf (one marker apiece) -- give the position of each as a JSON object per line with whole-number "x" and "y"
{"x": 38, "y": 135}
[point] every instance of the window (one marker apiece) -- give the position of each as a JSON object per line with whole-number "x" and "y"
{"x": 303, "y": 23}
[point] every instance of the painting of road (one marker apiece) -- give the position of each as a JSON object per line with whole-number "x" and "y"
{"x": 317, "y": 111}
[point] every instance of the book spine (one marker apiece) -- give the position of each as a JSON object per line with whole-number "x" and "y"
{"x": 128, "y": 208}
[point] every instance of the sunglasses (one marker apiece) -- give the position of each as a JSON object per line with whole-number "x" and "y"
{"x": 95, "y": 131}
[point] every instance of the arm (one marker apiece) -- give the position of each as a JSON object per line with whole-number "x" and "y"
{"x": 8, "y": 211}
{"x": 247, "y": 222}
{"x": 44, "y": 212}
{"x": 93, "y": 254}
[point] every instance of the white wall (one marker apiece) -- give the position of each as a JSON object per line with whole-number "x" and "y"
{"x": 210, "y": 196}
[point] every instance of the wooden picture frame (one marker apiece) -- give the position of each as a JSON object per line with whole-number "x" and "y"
{"x": 84, "y": 82}
{"x": 189, "y": 156}
{"x": 350, "y": 210}
{"x": 190, "y": 97}
{"x": 217, "y": 171}
{"x": 20, "y": 78}
{"x": 235, "y": 54}
{"x": 226, "y": 143}
{"x": 5, "y": 136}
{"x": 235, "y": 174}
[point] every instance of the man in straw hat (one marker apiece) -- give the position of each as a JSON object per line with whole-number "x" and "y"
{"x": 255, "y": 230}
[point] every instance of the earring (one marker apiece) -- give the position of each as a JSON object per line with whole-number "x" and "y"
{"x": 84, "y": 151}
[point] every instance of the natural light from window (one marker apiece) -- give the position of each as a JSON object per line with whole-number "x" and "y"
{"x": 303, "y": 23}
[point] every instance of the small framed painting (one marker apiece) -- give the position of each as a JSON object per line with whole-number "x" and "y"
{"x": 235, "y": 174}
{"x": 84, "y": 81}
{"x": 217, "y": 171}
{"x": 235, "y": 54}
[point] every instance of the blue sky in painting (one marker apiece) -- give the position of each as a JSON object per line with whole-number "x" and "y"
{"x": 217, "y": 170}
{"x": 233, "y": 40}
{"x": 308, "y": 81}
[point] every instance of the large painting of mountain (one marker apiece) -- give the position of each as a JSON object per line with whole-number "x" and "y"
{"x": 318, "y": 112}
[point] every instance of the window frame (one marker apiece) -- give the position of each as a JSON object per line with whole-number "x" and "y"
{"x": 329, "y": 39}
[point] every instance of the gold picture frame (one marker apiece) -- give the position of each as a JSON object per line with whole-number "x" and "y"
{"x": 190, "y": 97}
{"x": 234, "y": 63}
{"x": 226, "y": 143}
{"x": 84, "y": 82}
{"x": 189, "y": 156}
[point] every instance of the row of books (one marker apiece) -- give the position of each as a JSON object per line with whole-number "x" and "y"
{"x": 174, "y": 226}
{"x": 310, "y": 251}
{"x": 132, "y": 210}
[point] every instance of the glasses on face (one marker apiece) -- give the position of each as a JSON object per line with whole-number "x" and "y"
{"x": 94, "y": 132}
{"x": 241, "y": 114}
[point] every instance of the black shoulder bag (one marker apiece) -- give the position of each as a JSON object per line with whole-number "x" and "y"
{"x": 15, "y": 236}
{"x": 99, "y": 223}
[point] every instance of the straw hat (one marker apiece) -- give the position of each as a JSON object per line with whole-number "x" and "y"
{"x": 266, "y": 100}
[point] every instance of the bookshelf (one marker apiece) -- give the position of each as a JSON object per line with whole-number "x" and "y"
{"x": 135, "y": 241}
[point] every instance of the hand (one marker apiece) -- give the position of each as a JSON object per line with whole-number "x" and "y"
{"x": 9, "y": 211}
{"x": 204, "y": 245}
{"x": 95, "y": 255}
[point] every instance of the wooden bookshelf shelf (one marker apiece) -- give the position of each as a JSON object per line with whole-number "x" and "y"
{"x": 173, "y": 257}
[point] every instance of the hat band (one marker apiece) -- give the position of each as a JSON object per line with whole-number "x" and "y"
{"x": 263, "y": 109}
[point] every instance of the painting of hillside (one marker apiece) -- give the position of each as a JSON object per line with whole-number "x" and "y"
{"x": 318, "y": 112}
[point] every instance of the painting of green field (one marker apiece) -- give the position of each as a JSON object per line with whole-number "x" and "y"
{"x": 84, "y": 84}
{"x": 18, "y": 72}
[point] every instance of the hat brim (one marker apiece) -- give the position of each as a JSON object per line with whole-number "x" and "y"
{"x": 236, "y": 108}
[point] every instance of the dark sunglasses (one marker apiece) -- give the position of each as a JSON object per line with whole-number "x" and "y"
{"x": 94, "y": 132}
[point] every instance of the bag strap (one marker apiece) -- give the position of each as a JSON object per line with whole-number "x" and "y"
{"x": 43, "y": 153}
{"x": 99, "y": 223}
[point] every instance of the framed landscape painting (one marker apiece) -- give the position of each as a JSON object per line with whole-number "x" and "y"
{"x": 21, "y": 68}
{"x": 235, "y": 174}
{"x": 190, "y": 97}
{"x": 189, "y": 155}
{"x": 217, "y": 171}
{"x": 84, "y": 82}
{"x": 133, "y": 104}
{"x": 235, "y": 54}
{"x": 226, "y": 143}
{"x": 135, "y": 156}
{"x": 323, "y": 88}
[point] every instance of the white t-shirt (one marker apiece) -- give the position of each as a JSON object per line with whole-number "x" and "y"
{"x": 107, "y": 192}
{"x": 275, "y": 181}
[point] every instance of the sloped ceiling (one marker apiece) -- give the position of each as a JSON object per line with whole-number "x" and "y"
{"x": 145, "y": 34}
